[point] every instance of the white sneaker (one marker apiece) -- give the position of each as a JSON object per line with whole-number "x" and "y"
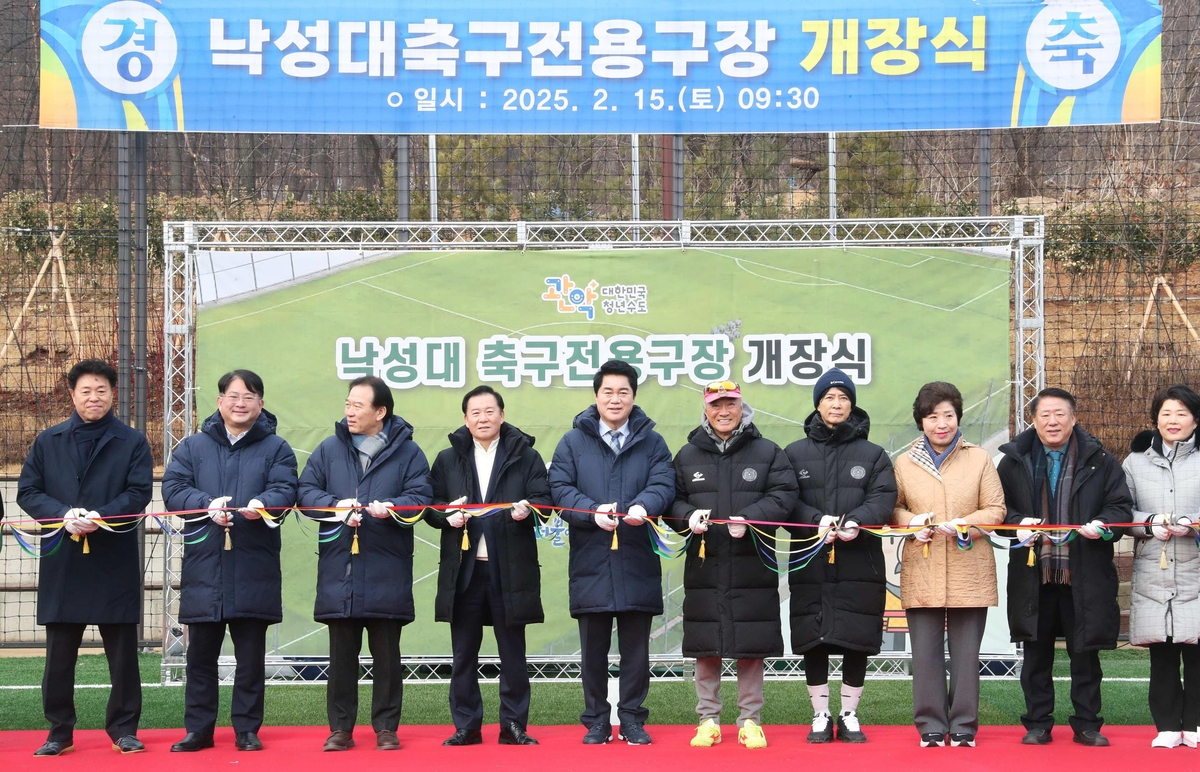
{"x": 1167, "y": 740}
{"x": 1190, "y": 738}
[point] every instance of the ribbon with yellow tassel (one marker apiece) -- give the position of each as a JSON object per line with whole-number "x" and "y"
{"x": 228, "y": 540}
{"x": 925, "y": 550}
{"x": 466, "y": 541}
{"x": 832, "y": 547}
{"x": 1032, "y": 561}
{"x": 354, "y": 543}
{"x": 1162, "y": 558}
{"x": 700, "y": 552}
{"x": 86, "y": 547}
{"x": 614, "y": 541}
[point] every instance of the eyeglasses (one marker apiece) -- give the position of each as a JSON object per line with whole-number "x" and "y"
{"x": 719, "y": 387}
{"x": 245, "y": 399}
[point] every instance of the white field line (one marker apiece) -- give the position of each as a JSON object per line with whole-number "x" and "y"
{"x": 326, "y": 291}
{"x": 977, "y": 297}
{"x": 821, "y": 283}
{"x": 437, "y": 307}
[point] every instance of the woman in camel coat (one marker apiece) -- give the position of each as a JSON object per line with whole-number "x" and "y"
{"x": 942, "y": 482}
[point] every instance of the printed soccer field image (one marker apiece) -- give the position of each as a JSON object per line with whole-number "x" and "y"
{"x": 894, "y": 318}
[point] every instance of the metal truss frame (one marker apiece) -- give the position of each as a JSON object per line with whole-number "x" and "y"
{"x": 1023, "y": 236}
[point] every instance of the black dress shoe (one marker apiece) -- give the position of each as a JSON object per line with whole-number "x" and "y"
{"x": 128, "y": 744}
{"x": 464, "y": 737}
{"x": 598, "y": 734}
{"x": 247, "y": 741}
{"x": 192, "y": 742}
{"x": 1037, "y": 737}
{"x": 513, "y": 733}
{"x": 1091, "y": 737}
{"x": 55, "y": 748}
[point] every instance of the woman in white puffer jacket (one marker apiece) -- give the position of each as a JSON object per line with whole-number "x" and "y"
{"x": 1163, "y": 473}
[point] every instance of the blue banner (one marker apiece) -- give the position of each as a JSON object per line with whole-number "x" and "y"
{"x": 540, "y": 67}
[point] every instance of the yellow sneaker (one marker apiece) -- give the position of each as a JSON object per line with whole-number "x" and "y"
{"x": 708, "y": 734}
{"x": 751, "y": 735}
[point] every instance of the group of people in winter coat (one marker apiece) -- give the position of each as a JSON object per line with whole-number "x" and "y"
{"x": 729, "y": 487}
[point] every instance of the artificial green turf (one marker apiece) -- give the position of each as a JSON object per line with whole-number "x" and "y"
{"x": 883, "y": 702}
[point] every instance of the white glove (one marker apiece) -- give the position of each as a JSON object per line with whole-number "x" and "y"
{"x": 218, "y": 514}
{"x": 379, "y": 508}
{"x": 848, "y": 531}
{"x": 737, "y": 530}
{"x": 1023, "y": 534}
{"x": 603, "y": 519}
{"x": 950, "y": 527}
{"x": 520, "y": 510}
{"x": 636, "y": 515}
{"x": 250, "y": 511}
{"x": 924, "y": 535}
{"x": 77, "y": 521}
{"x": 1181, "y": 526}
{"x": 1091, "y": 530}
{"x": 457, "y": 520}
{"x": 1159, "y": 527}
{"x": 698, "y": 520}
{"x": 828, "y": 522}
{"x": 351, "y": 517}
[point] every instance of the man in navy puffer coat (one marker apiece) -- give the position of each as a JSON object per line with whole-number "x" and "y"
{"x": 613, "y": 463}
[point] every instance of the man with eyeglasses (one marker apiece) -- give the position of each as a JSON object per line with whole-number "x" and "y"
{"x": 238, "y": 469}
{"x": 729, "y": 472}
{"x": 616, "y": 471}
{"x": 488, "y": 573}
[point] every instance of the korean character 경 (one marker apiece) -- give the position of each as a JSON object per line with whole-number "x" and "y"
{"x": 498, "y": 361}
{"x": 431, "y": 47}
{"x": 617, "y": 49}
{"x": 258, "y": 36}
{"x": 493, "y": 59}
{"x": 893, "y": 60}
{"x": 401, "y": 366}
{"x": 806, "y": 357}
{"x": 744, "y": 63}
{"x": 582, "y": 359}
{"x": 679, "y": 59}
{"x": 303, "y": 62}
{"x": 852, "y": 353}
{"x": 355, "y": 358}
{"x": 949, "y": 35}
{"x": 540, "y": 359}
{"x": 554, "y": 41}
{"x": 381, "y": 48}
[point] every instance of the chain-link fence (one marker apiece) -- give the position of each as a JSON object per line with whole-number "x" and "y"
{"x": 1122, "y": 205}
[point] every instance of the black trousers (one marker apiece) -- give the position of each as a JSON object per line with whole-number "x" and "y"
{"x": 479, "y": 603}
{"x": 633, "y": 642}
{"x": 202, "y": 696}
{"x": 387, "y": 687}
{"x": 58, "y": 681}
{"x": 816, "y": 665}
{"x": 1056, "y": 616}
{"x": 1175, "y": 706}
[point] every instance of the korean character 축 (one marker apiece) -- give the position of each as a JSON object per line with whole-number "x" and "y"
{"x": 498, "y": 360}
{"x": 434, "y": 47}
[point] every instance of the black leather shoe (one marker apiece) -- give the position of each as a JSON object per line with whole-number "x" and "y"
{"x": 514, "y": 734}
{"x": 247, "y": 741}
{"x": 464, "y": 737}
{"x": 598, "y": 734}
{"x": 192, "y": 742}
{"x": 128, "y": 744}
{"x": 54, "y": 748}
{"x": 634, "y": 734}
{"x": 1037, "y": 737}
{"x": 1091, "y": 737}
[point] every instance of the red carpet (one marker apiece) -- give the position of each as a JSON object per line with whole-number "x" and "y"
{"x": 298, "y": 749}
